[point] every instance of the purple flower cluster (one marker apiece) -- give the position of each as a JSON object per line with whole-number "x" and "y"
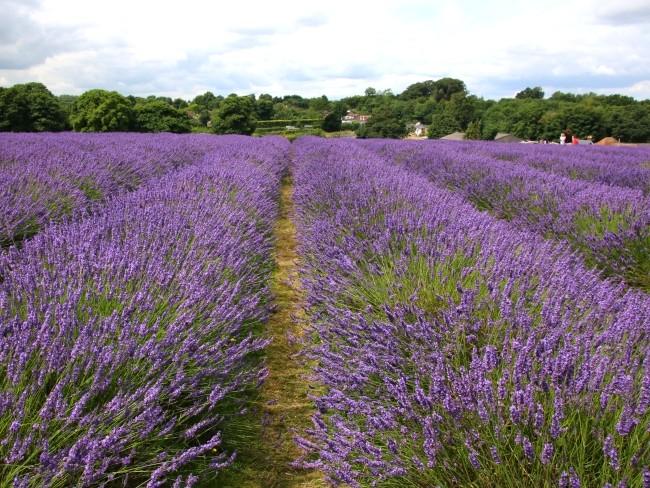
{"x": 48, "y": 177}
{"x": 610, "y": 225}
{"x": 455, "y": 350}
{"x": 127, "y": 337}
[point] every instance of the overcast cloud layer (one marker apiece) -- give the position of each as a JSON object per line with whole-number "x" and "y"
{"x": 338, "y": 47}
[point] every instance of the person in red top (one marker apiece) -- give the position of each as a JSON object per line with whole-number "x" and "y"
{"x": 575, "y": 140}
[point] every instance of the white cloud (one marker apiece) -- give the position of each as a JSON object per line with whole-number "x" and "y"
{"x": 336, "y": 48}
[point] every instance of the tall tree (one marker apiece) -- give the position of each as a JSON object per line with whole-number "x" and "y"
{"x": 446, "y": 87}
{"x": 159, "y": 116}
{"x": 235, "y": 115}
{"x": 386, "y": 122}
{"x": 264, "y": 107}
{"x": 30, "y": 107}
{"x": 528, "y": 92}
{"x": 331, "y": 122}
{"x": 442, "y": 124}
{"x": 422, "y": 89}
{"x": 102, "y": 111}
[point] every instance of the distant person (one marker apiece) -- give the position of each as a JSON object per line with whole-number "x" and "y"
{"x": 575, "y": 141}
{"x": 563, "y": 138}
{"x": 569, "y": 136}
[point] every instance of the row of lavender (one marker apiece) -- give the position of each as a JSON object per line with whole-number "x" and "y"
{"x": 49, "y": 177}
{"x": 455, "y": 350}
{"x": 128, "y": 337}
{"x": 617, "y": 166}
{"x": 609, "y": 225}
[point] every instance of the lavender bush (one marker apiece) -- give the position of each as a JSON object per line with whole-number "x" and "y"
{"x": 454, "y": 350}
{"x": 617, "y": 166}
{"x": 49, "y": 177}
{"x": 609, "y": 225}
{"x": 128, "y": 336}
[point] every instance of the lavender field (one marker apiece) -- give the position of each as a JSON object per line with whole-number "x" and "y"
{"x": 234, "y": 311}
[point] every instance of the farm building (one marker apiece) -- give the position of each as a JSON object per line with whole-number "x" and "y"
{"x": 505, "y": 137}
{"x": 352, "y": 117}
{"x": 454, "y": 136}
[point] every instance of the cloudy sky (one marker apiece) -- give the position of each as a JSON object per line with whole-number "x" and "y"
{"x": 333, "y": 47}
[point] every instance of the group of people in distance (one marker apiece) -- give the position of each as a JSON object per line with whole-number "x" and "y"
{"x": 567, "y": 137}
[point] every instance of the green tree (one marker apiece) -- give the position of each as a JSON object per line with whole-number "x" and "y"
{"x": 331, "y": 122}
{"x": 462, "y": 108}
{"x": 527, "y": 118}
{"x": 208, "y": 101}
{"x": 528, "y": 92}
{"x": 474, "y": 130}
{"x": 179, "y": 103}
{"x": 442, "y": 124}
{"x": 584, "y": 119}
{"x": 159, "y": 116}
{"x": 30, "y": 107}
{"x": 385, "y": 122}
{"x": 630, "y": 124}
{"x": 319, "y": 104}
{"x": 67, "y": 102}
{"x": 446, "y": 87}
{"x": 264, "y": 107}
{"x": 422, "y": 89}
{"x": 235, "y": 115}
{"x": 102, "y": 111}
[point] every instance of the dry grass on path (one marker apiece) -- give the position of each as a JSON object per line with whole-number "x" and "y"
{"x": 283, "y": 406}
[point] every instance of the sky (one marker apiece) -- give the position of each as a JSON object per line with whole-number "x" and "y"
{"x": 337, "y": 48}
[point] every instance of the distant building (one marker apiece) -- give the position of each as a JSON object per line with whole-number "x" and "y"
{"x": 420, "y": 129}
{"x": 454, "y": 136}
{"x": 505, "y": 137}
{"x": 352, "y": 117}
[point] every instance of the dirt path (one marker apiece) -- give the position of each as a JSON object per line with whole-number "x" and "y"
{"x": 284, "y": 405}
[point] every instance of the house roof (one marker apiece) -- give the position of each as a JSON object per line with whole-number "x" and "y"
{"x": 454, "y": 136}
{"x": 504, "y": 136}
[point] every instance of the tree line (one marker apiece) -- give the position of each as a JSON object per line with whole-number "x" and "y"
{"x": 444, "y": 105}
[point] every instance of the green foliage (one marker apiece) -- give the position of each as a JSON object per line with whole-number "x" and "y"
{"x": 66, "y": 102}
{"x": 102, "y": 111}
{"x": 422, "y": 89}
{"x": 179, "y": 103}
{"x": 264, "y": 107}
{"x": 630, "y": 123}
{"x": 30, "y": 107}
{"x": 385, "y": 122}
{"x": 159, "y": 116}
{"x": 446, "y": 87}
{"x": 535, "y": 92}
{"x": 320, "y": 104}
{"x": 443, "y": 103}
{"x": 442, "y": 124}
{"x": 235, "y": 115}
{"x": 207, "y": 101}
{"x": 331, "y": 122}
{"x": 474, "y": 130}
{"x": 370, "y": 92}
